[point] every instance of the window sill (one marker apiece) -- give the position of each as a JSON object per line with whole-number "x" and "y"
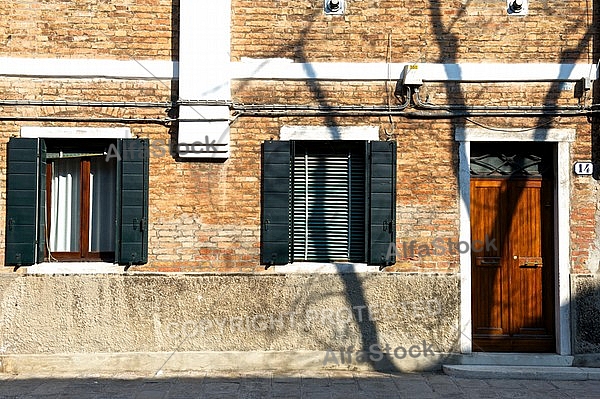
{"x": 75, "y": 268}
{"x": 324, "y": 268}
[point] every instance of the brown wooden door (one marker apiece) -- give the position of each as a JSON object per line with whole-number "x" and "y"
{"x": 512, "y": 264}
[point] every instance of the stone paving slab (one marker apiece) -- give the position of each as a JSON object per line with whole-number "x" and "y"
{"x": 523, "y": 373}
{"x": 330, "y": 385}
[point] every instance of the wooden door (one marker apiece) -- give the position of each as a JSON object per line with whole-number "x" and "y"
{"x": 512, "y": 264}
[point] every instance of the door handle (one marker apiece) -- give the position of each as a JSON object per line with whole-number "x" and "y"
{"x": 529, "y": 265}
{"x": 529, "y": 262}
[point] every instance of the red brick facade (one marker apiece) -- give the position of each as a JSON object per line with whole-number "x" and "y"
{"x": 205, "y": 216}
{"x": 140, "y": 29}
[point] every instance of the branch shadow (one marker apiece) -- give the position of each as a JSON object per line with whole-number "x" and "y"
{"x": 354, "y": 290}
{"x": 448, "y": 44}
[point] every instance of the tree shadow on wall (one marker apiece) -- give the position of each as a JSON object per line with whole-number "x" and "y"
{"x": 585, "y": 309}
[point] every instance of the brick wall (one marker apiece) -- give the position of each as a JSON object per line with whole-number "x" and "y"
{"x": 412, "y": 31}
{"x": 206, "y": 216}
{"x": 123, "y": 29}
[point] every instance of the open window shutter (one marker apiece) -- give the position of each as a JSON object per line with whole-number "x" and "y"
{"x": 382, "y": 202}
{"x": 25, "y": 201}
{"x": 275, "y": 218}
{"x": 132, "y": 201}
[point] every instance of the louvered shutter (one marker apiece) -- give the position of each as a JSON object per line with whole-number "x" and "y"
{"x": 328, "y": 205}
{"x": 340, "y": 203}
{"x": 132, "y": 201}
{"x": 275, "y": 217}
{"x": 382, "y": 201}
{"x": 25, "y": 201}
{"x": 321, "y": 207}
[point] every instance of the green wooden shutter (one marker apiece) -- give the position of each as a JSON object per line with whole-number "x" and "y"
{"x": 132, "y": 201}
{"x": 275, "y": 217}
{"x": 25, "y": 202}
{"x": 382, "y": 202}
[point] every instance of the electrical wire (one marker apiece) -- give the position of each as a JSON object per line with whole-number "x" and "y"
{"x": 160, "y": 121}
{"x": 497, "y": 129}
{"x": 427, "y": 105}
{"x": 98, "y": 104}
{"x": 405, "y": 95}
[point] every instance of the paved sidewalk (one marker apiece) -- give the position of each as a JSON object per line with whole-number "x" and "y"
{"x": 314, "y": 385}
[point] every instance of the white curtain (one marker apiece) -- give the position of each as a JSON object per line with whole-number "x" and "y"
{"x": 65, "y": 217}
{"x": 102, "y": 204}
{"x": 64, "y": 213}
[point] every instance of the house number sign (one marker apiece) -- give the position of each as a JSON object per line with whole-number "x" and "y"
{"x": 583, "y": 168}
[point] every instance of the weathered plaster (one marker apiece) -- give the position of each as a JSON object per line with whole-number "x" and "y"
{"x": 146, "y": 313}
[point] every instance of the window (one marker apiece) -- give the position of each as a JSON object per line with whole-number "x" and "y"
{"x": 84, "y": 200}
{"x": 328, "y": 201}
{"x": 80, "y": 201}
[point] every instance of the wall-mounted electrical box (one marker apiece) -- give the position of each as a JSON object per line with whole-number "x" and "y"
{"x": 411, "y": 75}
{"x": 334, "y": 7}
{"x": 517, "y": 7}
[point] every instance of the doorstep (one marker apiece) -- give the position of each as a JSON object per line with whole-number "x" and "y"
{"x": 530, "y": 366}
{"x": 556, "y": 373}
{"x": 515, "y": 359}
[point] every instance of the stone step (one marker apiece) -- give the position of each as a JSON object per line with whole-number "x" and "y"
{"x": 555, "y": 373}
{"x": 512, "y": 359}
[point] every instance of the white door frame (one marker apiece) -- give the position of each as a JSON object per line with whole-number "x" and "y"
{"x": 563, "y": 138}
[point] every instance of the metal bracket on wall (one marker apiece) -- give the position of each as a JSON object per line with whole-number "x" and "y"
{"x": 334, "y": 7}
{"x": 517, "y": 7}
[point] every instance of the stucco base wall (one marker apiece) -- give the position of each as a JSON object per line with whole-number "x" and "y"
{"x": 156, "y": 363}
{"x": 228, "y": 321}
{"x": 585, "y": 294}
